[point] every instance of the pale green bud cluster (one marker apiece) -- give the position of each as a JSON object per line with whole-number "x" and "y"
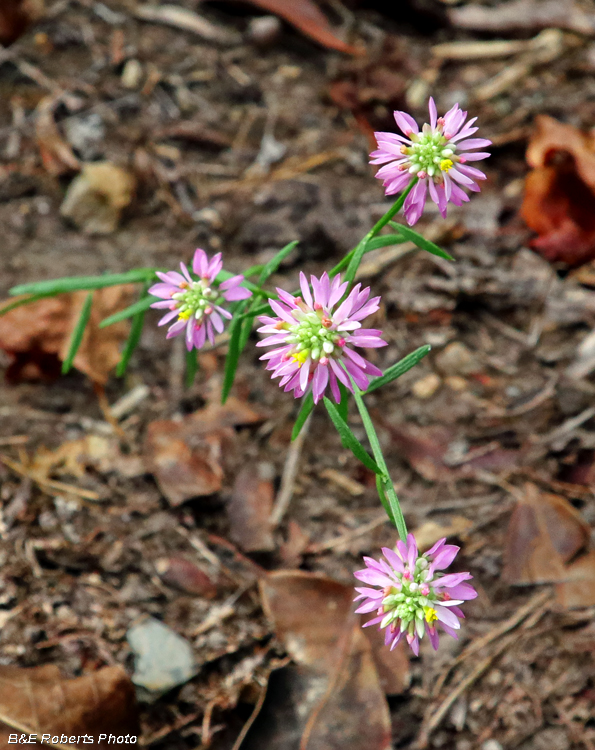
{"x": 197, "y": 300}
{"x": 313, "y": 338}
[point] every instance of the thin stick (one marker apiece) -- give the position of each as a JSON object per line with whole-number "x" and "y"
{"x": 289, "y": 475}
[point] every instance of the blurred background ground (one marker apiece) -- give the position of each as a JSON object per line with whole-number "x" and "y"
{"x": 132, "y": 133}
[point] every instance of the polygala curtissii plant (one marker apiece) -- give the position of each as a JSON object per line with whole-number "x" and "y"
{"x": 313, "y": 335}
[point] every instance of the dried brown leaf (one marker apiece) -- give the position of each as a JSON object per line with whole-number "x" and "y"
{"x": 185, "y": 575}
{"x": 38, "y": 334}
{"x": 578, "y": 590}
{"x": 545, "y": 532}
{"x": 186, "y": 455}
{"x": 334, "y": 696}
{"x": 559, "y": 202}
{"x": 249, "y": 509}
{"x": 38, "y": 700}
{"x": 306, "y": 16}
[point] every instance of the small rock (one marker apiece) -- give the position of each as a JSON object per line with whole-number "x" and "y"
{"x": 427, "y": 386}
{"x": 457, "y": 359}
{"x": 264, "y": 31}
{"x": 456, "y": 383}
{"x": 491, "y": 745}
{"x": 163, "y": 659}
{"x": 95, "y": 199}
{"x": 85, "y": 133}
{"x": 132, "y": 74}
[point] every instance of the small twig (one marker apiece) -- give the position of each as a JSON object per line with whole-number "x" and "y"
{"x": 501, "y": 629}
{"x": 349, "y": 536}
{"x": 289, "y": 475}
{"x": 535, "y": 608}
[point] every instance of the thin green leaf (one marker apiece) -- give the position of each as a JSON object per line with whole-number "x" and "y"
{"x": 78, "y": 283}
{"x": 355, "y": 261}
{"x": 136, "y": 330}
{"x": 380, "y": 484}
{"x": 128, "y": 312}
{"x": 77, "y": 334}
{"x": 233, "y": 356}
{"x": 420, "y": 241}
{"x": 253, "y": 270}
{"x": 343, "y": 407}
{"x": 8, "y": 306}
{"x": 274, "y": 263}
{"x": 224, "y": 275}
{"x": 304, "y": 413}
{"x": 191, "y": 367}
{"x": 399, "y": 368}
{"x": 385, "y": 240}
{"x": 348, "y": 439}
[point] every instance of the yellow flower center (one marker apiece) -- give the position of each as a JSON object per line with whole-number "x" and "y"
{"x": 446, "y": 164}
{"x": 300, "y": 357}
{"x": 185, "y": 315}
{"x": 430, "y": 613}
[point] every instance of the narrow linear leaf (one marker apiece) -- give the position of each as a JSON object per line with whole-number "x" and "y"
{"x": 399, "y": 368}
{"x": 304, "y": 413}
{"x": 355, "y": 261}
{"x": 9, "y": 305}
{"x": 137, "y": 307}
{"x": 420, "y": 241}
{"x": 77, "y": 334}
{"x": 348, "y": 439}
{"x": 380, "y": 482}
{"x": 385, "y": 240}
{"x": 133, "y": 339}
{"x": 191, "y": 367}
{"x": 343, "y": 407}
{"x": 253, "y": 270}
{"x": 224, "y": 275}
{"x": 274, "y": 263}
{"x": 262, "y": 310}
{"x": 233, "y": 356}
{"x": 78, "y": 283}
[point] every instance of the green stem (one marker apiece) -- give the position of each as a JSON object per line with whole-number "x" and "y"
{"x": 393, "y": 501}
{"x": 380, "y": 224}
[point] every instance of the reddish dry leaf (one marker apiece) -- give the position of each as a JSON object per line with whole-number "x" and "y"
{"x": 249, "y": 509}
{"x": 334, "y": 695}
{"x": 186, "y": 455}
{"x": 559, "y": 202}
{"x": 306, "y": 16}
{"x": 16, "y": 16}
{"x": 56, "y": 155}
{"x": 545, "y": 532}
{"x": 38, "y": 700}
{"x": 185, "y": 575}
{"x": 37, "y": 335}
{"x": 426, "y": 449}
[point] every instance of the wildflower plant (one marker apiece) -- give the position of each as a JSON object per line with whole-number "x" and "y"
{"x": 316, "y": 338}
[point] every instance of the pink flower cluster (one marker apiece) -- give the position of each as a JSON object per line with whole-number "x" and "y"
{"x": 195, "y": 305}
{"x": 433, "y": 155}
{"x": 413, "y": 595}
{"x": 313, "y": 336}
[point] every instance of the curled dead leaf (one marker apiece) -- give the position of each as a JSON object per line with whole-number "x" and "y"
{"x": 544, "y": 533}
{"x": 39, "y": 701}
{"x": 56, "y": 154}
{"x": 37, "y": 336}
{"x": 559, "y": 201}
